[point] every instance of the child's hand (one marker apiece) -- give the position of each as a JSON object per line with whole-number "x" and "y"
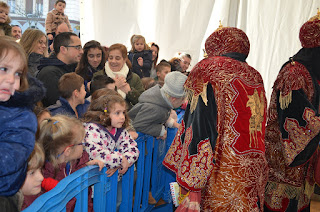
{"x": 140, "y": 61}
{"x": 164, "y": 136}
{"x": 176, "y": 125}
{"x": 96, "y": 162}
{"x": 50, "y": 37}
{"x": 133, "y": 134}
{"x": 124, "y": 164}
{"x": 110, "y": 172}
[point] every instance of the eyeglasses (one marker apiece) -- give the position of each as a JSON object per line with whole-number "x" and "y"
{"x": 84, "y": 143}
{"x": 78, "y": 47}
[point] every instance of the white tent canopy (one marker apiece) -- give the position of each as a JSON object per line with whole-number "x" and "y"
{"x": 183, "y": 26}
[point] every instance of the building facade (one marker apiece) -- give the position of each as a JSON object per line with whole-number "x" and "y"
{"x": 32, "y": 13}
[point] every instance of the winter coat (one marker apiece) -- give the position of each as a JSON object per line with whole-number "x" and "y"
{"x": 33, "y": 63}
{"x": 54, "y": 18}
{"x": 6, "y": 28}
{"x": 151, "y": 113}
{"x": 110, "y": 149}
{"x": 17, "y": 136}
{"x": 135, "y": 84}
{"x": 58, "y": 174}
{"x": 142, "y": 71}
{"x": 62, "y": 106}
{"x": 51, "y": 70}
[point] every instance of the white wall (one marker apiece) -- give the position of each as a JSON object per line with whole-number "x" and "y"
{"x": 183, "y": 25}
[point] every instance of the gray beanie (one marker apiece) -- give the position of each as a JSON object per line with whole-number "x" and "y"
{"x": 173, "y": 84}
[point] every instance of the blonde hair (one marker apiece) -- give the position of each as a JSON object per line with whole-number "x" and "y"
{"x": 36, "y": 159}
{"x": 30, "y": 39}
{"x": 9, "y": 44}
{"x": 5, "y": 5}
{"x": 135, "y": 38}
{"x": 58, "y": 132}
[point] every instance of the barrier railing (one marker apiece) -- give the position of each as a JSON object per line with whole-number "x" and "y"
{"x": 150, "y": 176}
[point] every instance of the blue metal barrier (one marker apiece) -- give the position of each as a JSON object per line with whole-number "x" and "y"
{"x": 151, "y": 176}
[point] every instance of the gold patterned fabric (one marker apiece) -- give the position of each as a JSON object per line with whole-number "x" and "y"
{"x": 285, "y": 143}
{"x": 231, "y": 174}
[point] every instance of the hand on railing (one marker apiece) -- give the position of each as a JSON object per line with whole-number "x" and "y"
{"x": 124, "y": 165}
{"x": 163, "y": 137}
{"x": 110, "y": 172}
{"x": 96, "y": 162}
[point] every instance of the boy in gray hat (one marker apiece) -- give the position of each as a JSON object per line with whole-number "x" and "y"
{"x": 152, "y": 111}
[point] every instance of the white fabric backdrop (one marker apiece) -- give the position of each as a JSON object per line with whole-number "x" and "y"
{"x": 272, "y": 26}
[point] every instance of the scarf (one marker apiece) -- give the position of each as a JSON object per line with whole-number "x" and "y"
{"x": 123, "y": 72}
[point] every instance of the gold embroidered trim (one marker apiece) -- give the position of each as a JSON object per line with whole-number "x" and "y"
{"x": 275, "y": 192}
{"x": 285, "y": 100}
{"x": 193, "y": 99}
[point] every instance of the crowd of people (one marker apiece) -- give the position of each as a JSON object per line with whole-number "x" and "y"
{"x": 64, "y": 106}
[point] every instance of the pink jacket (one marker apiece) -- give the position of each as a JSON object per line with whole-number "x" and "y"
{"x": 54, "y": 18}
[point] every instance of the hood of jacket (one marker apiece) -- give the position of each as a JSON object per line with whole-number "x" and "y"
{"x": 29, "y": 97}
{"x": 153, "y": 96}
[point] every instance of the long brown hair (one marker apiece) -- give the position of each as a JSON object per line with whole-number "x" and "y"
{"x": 99, "y": 110}
{"x": 30, "y": 38}
{"x": 82, "y": 68}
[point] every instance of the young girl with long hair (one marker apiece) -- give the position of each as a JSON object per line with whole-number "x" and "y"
{"x": 106, "y": 136}
{"x": 140, "y": 56}
{"x": 92, "y": 60}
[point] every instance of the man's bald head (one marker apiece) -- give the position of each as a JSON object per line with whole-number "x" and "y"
{"x": 63, "y": 27}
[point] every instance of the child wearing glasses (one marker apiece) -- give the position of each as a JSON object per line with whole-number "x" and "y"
{"x": 62, "y": 140}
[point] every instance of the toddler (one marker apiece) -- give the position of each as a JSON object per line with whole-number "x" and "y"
{"x": 18, "y": 124}
{"x": 140, "y": 56}
{"x": 5, "y": 28}
{"x": 56, "y": 17}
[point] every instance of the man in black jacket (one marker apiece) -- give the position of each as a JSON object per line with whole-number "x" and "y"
{"x": 68, "y": 51}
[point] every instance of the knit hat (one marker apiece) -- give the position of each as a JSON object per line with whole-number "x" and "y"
{"x": 310, "y": 34}
{"x": 173, "y": 84}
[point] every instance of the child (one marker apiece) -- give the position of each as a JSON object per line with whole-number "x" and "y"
{"x": 107, "y": 138}
{"x": 72, "y": 100}
{"x": 62, "y": 140}
{"x": 18, "y": 124}
{"x": 155, "y": 105}
{"x": 5, "y": 27}
{"x": 102, "y": 81}
{"x": 54, "y": 18}
{"x": 32, "y": 184}
{"x": 140, "y": 56}
{"x": 163, "y": 68}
